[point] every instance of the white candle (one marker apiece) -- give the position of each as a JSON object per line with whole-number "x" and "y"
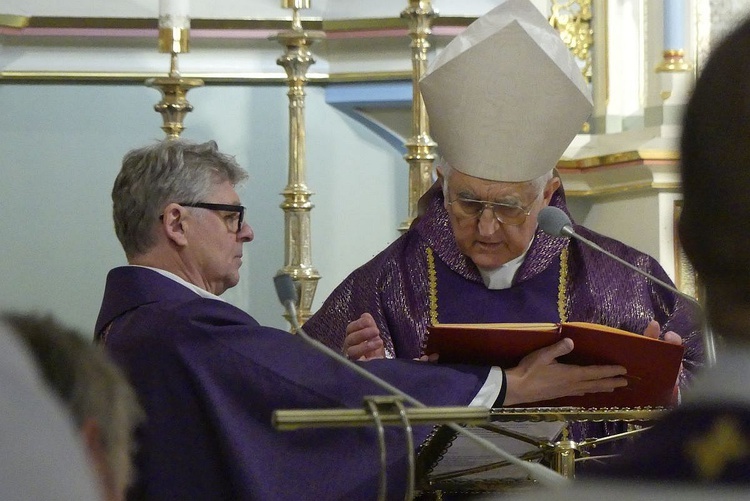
{"x": 674, "y": 25}
{"x": 174, "y": 13}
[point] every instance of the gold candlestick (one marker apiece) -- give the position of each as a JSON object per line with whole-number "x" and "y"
{"x": 420, "y": 148}
{"x": 174, "y": 104}
{"x": 296, "y": 60}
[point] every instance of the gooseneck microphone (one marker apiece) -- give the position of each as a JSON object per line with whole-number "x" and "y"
{"x": 554, "y": 221}
{"x": 287, "y": 294}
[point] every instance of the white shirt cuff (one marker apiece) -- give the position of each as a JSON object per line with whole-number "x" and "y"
{"x": 490, "y": 390}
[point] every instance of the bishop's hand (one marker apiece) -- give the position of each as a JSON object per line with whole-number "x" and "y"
{"x": 363, "y": 340}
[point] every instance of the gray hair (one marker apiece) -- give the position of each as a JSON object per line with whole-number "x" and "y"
{"x": 88, "y": 384}
{"x": 538, "y": 184}
{"x": 153, "y": 176}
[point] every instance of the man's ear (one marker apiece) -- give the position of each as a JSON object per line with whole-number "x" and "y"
{"x": 174, "y": 224}
{"x": 551, "y": 187}
{"x": 91, "y": 435}
{"x": 440, "y": 177}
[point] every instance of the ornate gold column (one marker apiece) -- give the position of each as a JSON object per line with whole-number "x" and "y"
{"x": 572, "y": 19}
{"x": 174, "y": 38}
{"x": 420, "y": 148}
{"x": 296, "y": 205}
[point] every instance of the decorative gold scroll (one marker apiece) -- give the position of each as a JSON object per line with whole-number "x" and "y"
{"x": 572, "y": 18}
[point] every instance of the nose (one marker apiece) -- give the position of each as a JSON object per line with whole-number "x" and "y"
{"x": 246, "y": 233}
{"x": 487, "y": 223}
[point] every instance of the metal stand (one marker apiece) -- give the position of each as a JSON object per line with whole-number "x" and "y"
{"x": 420, "y": 148}
{"x": 561, "y": 454}
{"x": 378, "y": 412}
{"x": 297, "y": 206}
{"x": 174, "y": 105}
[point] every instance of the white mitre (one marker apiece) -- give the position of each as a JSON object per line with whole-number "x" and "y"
{"x": 505, "y": 97}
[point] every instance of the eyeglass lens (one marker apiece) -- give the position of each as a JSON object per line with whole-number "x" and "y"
{"x": 507, "y": 214}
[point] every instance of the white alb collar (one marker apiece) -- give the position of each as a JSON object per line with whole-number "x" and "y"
{"x": 502, "y": 277}
{"x": 201, "y": 292}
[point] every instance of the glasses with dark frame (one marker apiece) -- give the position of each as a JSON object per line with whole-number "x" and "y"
{"x": 510, "y": 214}
{"x": 237, "y": 210}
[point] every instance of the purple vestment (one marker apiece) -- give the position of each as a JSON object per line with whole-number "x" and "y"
{"x": 209, "y": 377}
{"x": 423, "y": 278}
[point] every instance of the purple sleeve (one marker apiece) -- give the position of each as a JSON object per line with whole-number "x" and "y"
{"x": 210, "y": 378}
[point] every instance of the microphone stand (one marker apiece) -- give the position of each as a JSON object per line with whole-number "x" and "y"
{"x": 708, "y": 338}
{"x": 542, "y": 474}
{"x": 381, "y": 410}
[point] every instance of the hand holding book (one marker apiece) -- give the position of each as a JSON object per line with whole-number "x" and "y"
{"x": 652, "y": 365}
{"x": 539, "y": 377}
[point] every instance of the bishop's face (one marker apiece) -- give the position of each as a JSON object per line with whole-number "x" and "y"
{"x": 477, "y": 227}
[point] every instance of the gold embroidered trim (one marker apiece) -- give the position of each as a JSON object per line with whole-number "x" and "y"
{"x": 562, "y": 309}
{"x": 432, "y": 277}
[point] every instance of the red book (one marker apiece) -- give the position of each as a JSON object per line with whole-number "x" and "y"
{"x": 652, "y": 365}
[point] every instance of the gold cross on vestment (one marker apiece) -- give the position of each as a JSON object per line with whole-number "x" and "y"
{"x": 722, "y": 444}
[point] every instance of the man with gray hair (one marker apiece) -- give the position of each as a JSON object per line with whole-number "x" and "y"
{"x": 209, "y": 376}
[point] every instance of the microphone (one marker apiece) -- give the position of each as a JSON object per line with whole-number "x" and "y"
{"x": 554, "y": 221}
{"x": 287, "y": 294}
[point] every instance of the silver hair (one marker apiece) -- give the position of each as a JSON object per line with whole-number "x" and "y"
{"x": 88, "y": 383}
{"x": 538, "y": 184}
{"x": 153, "y": 176}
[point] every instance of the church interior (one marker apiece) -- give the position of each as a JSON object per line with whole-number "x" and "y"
{"x": 75, "y": 99}
{"x": 318, "y": 100}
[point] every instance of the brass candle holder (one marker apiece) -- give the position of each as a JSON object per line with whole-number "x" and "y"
{"x": 674, "y": 61}
{"x": 296, "y": 60}
{"x": 420, "y": 147}
{"x": 174, "y": 104}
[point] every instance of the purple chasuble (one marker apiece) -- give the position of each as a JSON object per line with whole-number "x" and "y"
{"x": 394, "y": 287}
{"x": 534, "y": 300}
{"x": 209, "y": 378}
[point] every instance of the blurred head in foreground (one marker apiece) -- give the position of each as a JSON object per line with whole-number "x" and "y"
{"x": 714, "y": 225}
{"x": 101, "y": 403}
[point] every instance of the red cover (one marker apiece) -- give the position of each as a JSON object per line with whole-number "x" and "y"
{"x": 652, "y": 365}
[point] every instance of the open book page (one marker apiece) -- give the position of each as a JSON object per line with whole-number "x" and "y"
{"x": 537, "y": 326}
{"x": 466, "y": 460}
{"x": 599, "y": 328}
{"x": 525, "y": 326}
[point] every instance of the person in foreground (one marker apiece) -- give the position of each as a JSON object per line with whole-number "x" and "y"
{"x": 43, "y": 457}
{"x": 713, "y": 442}
{"x": 701, "y": 450}
{"x": 475, "y": 255}
{"x": 209, "y": 376}
{"x": 101, "y": 402}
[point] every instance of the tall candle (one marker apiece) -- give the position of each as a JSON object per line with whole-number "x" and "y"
{"x": 674, "y": 25}
{"x": 174, "y": 13}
